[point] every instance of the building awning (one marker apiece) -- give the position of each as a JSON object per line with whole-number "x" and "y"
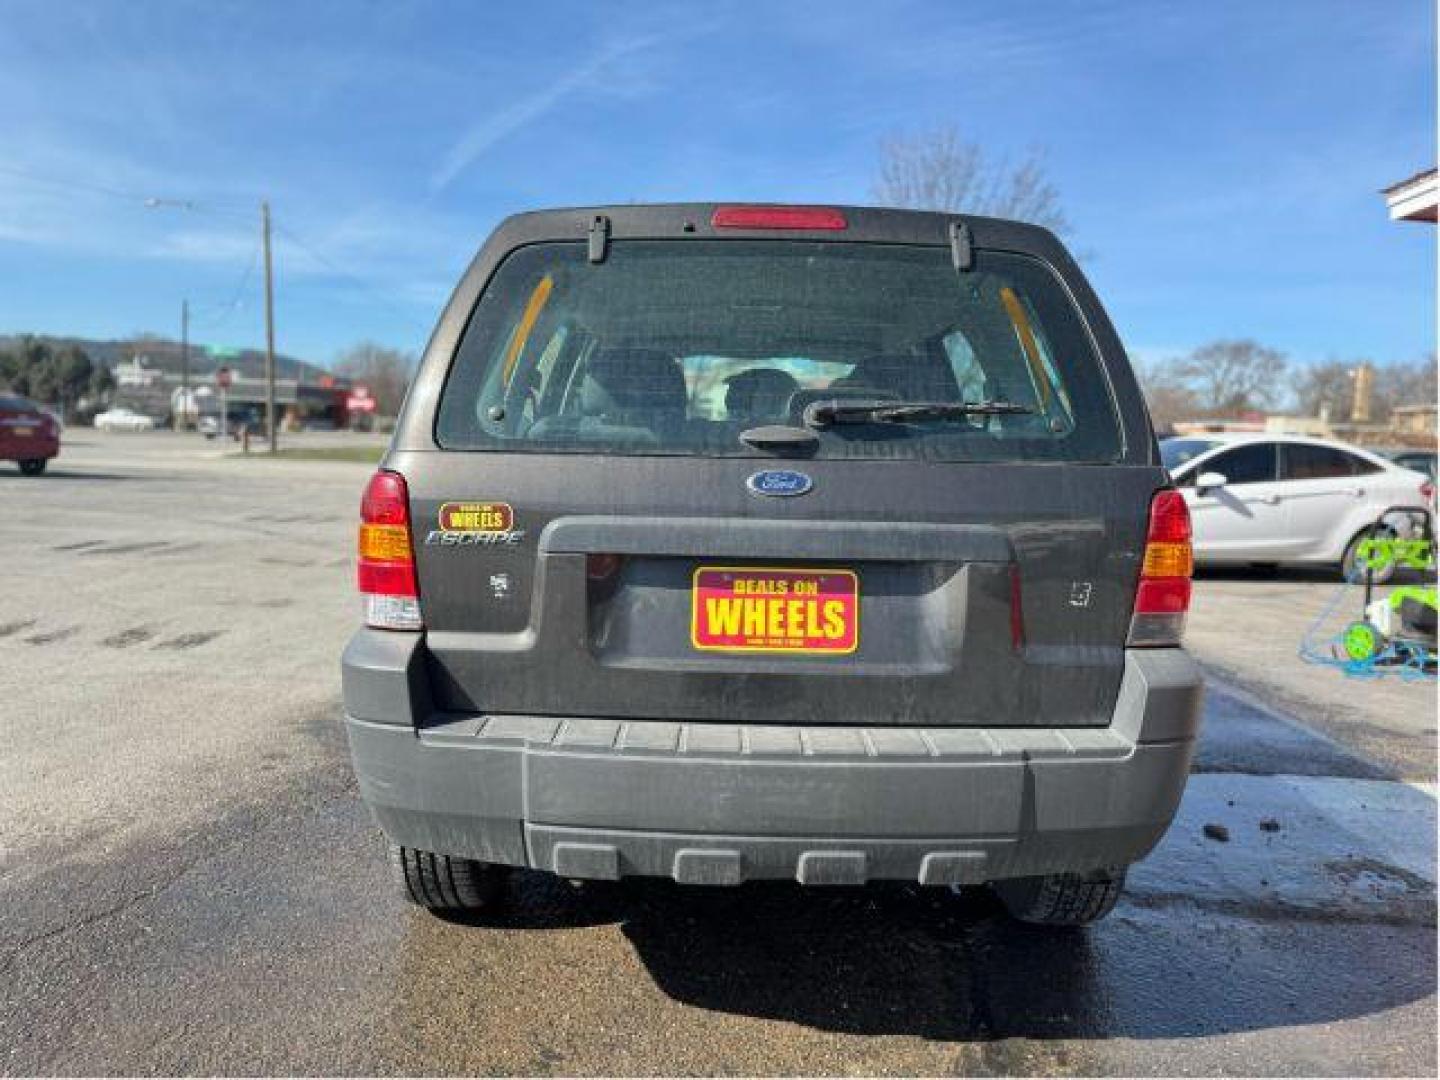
{"x": 1414, "y": 199}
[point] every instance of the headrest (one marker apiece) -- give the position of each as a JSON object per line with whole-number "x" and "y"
{"x": 759, "y": 393}
{"x": 642, "y": 381}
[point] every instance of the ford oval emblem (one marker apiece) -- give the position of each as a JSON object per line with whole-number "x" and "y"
{"x": 779, "y": 482}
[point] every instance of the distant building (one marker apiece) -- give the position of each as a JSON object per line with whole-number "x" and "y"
{"x": 1415, "y": 198}
{"x": 1413, "y": 420}
{"x": 137, "y": 372}
{"x": 1218, "y": 425}
{"x": 1315, "y": 426}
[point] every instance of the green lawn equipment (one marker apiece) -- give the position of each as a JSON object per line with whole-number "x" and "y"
{"x": 1399, "y": 627}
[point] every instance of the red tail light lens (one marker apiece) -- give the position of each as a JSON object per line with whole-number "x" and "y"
{"x": 386, "y": 568}
{"x": 1163, "y": 596}
{"x": 1427, "y": 492}
{"x": 778, "y": 217}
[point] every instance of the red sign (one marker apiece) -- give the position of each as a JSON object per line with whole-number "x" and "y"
{"x": 757, "y": 609}
{"x": 359, "y": 403}
{"x": 222, "y": 378}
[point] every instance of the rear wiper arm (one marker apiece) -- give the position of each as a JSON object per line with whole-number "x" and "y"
{"x": 825, "y": 413}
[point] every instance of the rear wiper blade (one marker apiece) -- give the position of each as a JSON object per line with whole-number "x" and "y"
{"x": 825, "y": 413}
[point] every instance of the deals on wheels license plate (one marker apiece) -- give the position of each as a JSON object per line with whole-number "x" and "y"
{"x": 758, "y": 609}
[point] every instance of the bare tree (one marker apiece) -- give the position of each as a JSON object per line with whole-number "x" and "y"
{"x": 938, "y": 170}
{"x": 1232, "y": 377}
{"x": 1412, "y": 383}
{"x": 385, "y": 371}
{"x": 1166, "y": 392}
{"x": 1325, "y": 389}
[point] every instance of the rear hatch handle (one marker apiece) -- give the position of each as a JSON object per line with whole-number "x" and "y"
{"x": 822, "y": 540}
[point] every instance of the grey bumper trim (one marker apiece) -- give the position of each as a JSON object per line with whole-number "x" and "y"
{"x": 718, "y": 803}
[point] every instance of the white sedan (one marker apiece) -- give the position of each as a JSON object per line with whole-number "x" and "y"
{"x": 122, "y": 419}
{"x": 1258, "y": 498}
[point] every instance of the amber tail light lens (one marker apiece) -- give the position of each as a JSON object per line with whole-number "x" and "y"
{"x": 1163, "y": 596}
{"x": 385, "y": 571}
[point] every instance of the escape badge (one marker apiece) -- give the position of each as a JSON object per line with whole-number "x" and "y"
{"x": 463, "y": 524}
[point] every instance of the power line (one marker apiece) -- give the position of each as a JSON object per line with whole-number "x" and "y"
{"x": 365, "y": 286}
{"x": 212, "y": 208}
{"x": 224, "y": 311}
{"x": 209, "y": 206}
{"x": 75, "y": 185}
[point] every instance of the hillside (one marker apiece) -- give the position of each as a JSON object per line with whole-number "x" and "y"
{"x": 164, "y": 353}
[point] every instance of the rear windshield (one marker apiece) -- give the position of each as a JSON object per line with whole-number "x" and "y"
{"x": 680, "y": 347}
{"x": 1176, "y": 452}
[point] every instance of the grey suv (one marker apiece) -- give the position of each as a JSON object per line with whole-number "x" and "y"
{"x": 732, "y": 542}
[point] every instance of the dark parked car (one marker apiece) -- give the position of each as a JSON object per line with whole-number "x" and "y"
{"x": 730, "y": 542}
{"x": 28, "y": 434}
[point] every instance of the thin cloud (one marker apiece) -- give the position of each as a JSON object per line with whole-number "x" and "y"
{"x": 525, "y": 111}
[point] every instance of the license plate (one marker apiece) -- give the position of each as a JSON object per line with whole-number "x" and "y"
{"x": 23, "y": 432}
{"x": 759, "y": 609}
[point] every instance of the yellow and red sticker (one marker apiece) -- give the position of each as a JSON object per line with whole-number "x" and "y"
{"x": 757, "y": 609}
{"x": 476, "y": 517}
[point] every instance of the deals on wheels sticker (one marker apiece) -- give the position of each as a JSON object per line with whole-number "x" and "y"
{"x": 475, "y": 525}
{"x": 477, "y": 517}
{"x": 756, "y": 609}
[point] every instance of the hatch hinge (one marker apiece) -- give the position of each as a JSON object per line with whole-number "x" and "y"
{"x": 962, "y": 248}
{"x": 599, "y": 238}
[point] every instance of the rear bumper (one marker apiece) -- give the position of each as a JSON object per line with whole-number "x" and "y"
{"x": 720, "y": 804}
{"x": 29, "y": 448}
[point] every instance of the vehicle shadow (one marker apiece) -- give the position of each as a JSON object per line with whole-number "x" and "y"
{"x": 52, "y": 475}
{"x": 1324, "y": 575}
{"x": 902, "y": 960}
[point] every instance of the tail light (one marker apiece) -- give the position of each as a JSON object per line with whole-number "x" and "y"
{"x": 386, "y": 569}
{"x": 1427, "y": 493}
{"x": 820, "y": 218}
{"x": 1163, "y": 596}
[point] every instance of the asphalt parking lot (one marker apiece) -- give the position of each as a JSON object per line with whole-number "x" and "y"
{"x": 190, "y": 885}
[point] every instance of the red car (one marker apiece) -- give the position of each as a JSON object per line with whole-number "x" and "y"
{"x": 27, "y": 435}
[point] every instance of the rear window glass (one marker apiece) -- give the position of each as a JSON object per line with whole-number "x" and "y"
{"x": 1305, "y": 461}
{"x": 1177, "y": 452}
{"x": 678, "y": 347}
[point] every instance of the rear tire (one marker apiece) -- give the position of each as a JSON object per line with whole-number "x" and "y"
{"x": 1062, "y": 899}
{"x": 32, "y": 466}
{"x": 1350, "y": 564}
{"x": 446, "y": 884}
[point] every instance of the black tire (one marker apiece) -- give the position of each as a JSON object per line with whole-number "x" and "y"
{"x": 33, "y": 466}
{"x": 1062, "y": 899}
{"x": 1348, "y": 563}
{"x": 446, "y": 883}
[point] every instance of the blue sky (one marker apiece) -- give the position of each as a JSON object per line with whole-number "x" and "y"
{"x": 1219, "y": 162}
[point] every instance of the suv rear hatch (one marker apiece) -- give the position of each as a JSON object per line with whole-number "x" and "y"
{"x": 864, "y": 468}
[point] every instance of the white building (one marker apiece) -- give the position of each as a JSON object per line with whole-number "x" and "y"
{"x": 1414, "y": 199}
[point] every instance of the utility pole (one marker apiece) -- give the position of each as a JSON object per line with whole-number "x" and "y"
{"x": 269, "y": 332}
{"x": 184, "y": 365}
